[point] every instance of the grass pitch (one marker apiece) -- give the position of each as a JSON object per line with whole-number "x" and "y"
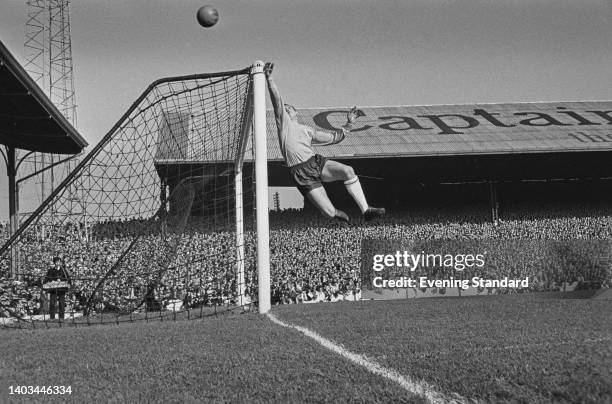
{"x": 233, "y": 358}
{"x": 521, "y": 348}
{"x": 515, "y": 348}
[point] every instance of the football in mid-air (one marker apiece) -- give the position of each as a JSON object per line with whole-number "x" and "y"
{"x": 207, "y": 16}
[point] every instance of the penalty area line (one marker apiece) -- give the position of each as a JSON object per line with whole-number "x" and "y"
{"x": 415, "y": 387}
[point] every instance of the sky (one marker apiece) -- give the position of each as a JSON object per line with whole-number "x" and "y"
{"x": 336, "y": 53}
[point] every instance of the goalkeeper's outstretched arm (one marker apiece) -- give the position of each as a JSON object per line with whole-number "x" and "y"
{"x": 275, "y": 98}
{"x": 327, "y": 138}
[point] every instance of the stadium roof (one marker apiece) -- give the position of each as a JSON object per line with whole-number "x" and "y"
{"x": 475, "y": 129}
{"x": 454, "y": 130}
{"x": 28, "y": 119}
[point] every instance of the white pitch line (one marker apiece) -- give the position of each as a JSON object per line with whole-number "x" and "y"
{"x": 419, "y": 388}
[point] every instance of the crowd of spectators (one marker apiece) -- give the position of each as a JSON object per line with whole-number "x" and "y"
{"x": 137, "y": 265}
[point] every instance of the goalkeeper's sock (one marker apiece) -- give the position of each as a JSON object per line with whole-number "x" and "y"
{"x": 353, "y": 186}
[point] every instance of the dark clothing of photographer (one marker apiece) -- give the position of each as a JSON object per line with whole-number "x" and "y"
{"x": 57, "y": 296}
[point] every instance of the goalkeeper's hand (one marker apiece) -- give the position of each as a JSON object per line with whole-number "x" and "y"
{"x": 268, "y": 67}
{"x": 353, "y": 114}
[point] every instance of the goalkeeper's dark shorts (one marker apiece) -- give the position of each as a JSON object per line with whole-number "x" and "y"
{"x": 307, "y": 175}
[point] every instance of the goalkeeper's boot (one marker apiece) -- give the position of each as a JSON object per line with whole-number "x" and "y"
{"x": 341, "y": 216}
{"x": 372, "y": 213}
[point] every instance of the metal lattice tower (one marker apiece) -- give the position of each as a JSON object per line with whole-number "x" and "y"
{"x": 48, "y": 54}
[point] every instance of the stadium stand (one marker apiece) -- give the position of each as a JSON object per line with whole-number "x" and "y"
{"x": 314, "y": 259}
{"x": 495, "y": 171}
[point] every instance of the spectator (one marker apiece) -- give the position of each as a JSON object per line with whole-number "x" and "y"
{"x": 58, "y": 280}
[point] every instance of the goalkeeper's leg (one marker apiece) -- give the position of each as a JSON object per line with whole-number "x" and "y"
{"x": 319, "y": 198}
{"x": 334, "y": 171}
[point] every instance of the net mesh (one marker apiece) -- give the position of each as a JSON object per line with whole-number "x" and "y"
{"x": 153, "y": 232}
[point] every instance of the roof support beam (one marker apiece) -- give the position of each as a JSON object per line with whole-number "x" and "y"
{"x": 11, "y": 170}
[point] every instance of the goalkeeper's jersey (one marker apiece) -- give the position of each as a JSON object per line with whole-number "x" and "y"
{"x": 295, "y": 140}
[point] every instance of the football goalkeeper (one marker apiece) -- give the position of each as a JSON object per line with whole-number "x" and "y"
{"x": 309, "y": 169}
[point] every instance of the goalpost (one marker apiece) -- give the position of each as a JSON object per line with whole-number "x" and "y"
{"x": 261, "y": 174}
{"x": 174, "y": 201}
{"x": 258, "y": 115}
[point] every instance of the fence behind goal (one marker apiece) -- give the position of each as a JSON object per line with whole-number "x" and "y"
{"x": 157, "y": 221}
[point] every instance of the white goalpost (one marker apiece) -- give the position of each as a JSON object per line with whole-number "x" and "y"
{"x": 261, "y": 188}
{"x": 256, "y": 114}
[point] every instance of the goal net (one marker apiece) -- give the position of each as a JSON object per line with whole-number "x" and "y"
{"x": 164, "y": 222}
